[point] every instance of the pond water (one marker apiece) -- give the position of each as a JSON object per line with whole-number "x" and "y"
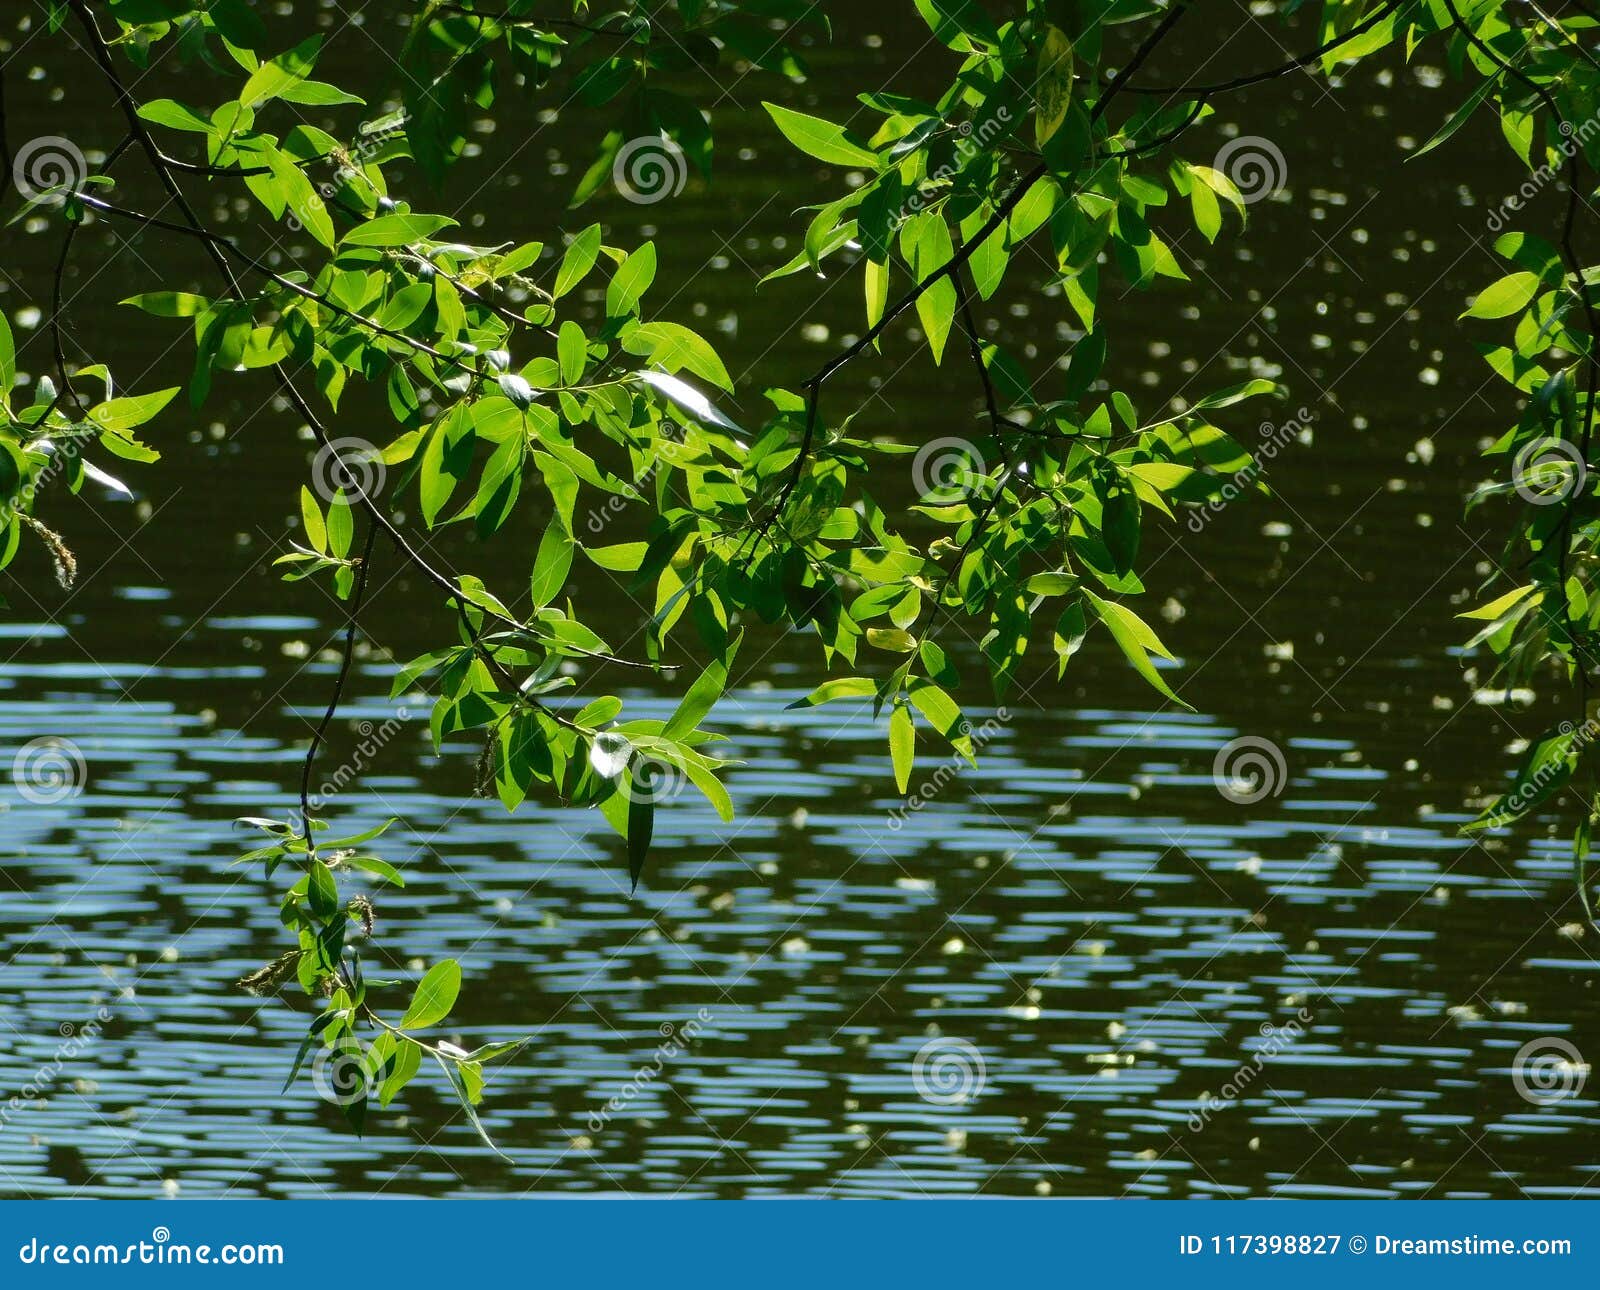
{"x": 1030, "y": 985}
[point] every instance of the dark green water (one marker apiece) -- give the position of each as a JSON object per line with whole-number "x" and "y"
{"x": 1085, "y": 916}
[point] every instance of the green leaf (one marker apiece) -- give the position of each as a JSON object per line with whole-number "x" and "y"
{"x": 1137, "y": 641}
{"x": 822, "y": 139}
{"x": 631, "y": 280}
{"x": 175, "y": 116}
{"x": 435, "y": 996}
{"x": 902, "y": 744}
{"x": 169, "y": 304}
{"x": 961, "y": 24}
{"x": 125, "y": 414}
{"x": 572, "y": 351}
{"x": 676, "y": 348}
{"x": 929, "y": 248}
{"x": 8, "y": 358}
{"x": 280, "y": 74}
{"x": 322, "y": 890}
{"x": 700, "y": 698}
{"x": 395, "y": 230}
{"x": 893, "y": 639}
{"x": 1547, "y": 767}
{"x": 641, "y": 817}
{"x": 464, "y": 1095}
{"x": 1505, "y": 297}
{"x": 844, "y": 687}
{"x": 1053, "y": 87}
{"x": 378, "y": 869}
{"x": 407, "y": 1062}
{"x": 341, "y": 526}
{"x": 578, "y": 260}
{"x": 1500, "y": 604}
{"x": 311, "y": 517}
{"x": 551, "y": 565}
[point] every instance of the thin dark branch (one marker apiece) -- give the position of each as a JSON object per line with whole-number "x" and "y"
{"x": 248, "y": 261}
{"x": 193, "y": 226}
{"x": 58, "y": 306}
{"x": 363, "y": 569}
{"x": 1574, "y": 267}
{"x": 1282, "y": 69}
{"x": 996, "y": 221}
{"x": 1161, "y": 140}
{"x": 1565, "y": 35}
{"x": 509, "y": 20}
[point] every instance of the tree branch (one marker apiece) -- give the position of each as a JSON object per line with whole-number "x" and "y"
{"x": 212, "y": 243}
{"x": 997, "y": 220}
{"x": 1282, "y": 69}
{"x": 321, "y": 731}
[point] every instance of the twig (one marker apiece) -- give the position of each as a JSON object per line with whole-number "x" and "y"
{"x": 296, "y": 400}
{"x": 1282, "y": 69}
{"x": 362, "y": 571}
{"x": 997, "y": 220}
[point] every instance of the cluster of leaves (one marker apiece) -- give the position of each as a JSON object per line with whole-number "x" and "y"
{"x": 521, "y": 378}
{"x": 1545, "y": 85}
{"x": 48, "y": 435}
{"x": 619, "y": 62}
{"x": 325, "y": 924}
